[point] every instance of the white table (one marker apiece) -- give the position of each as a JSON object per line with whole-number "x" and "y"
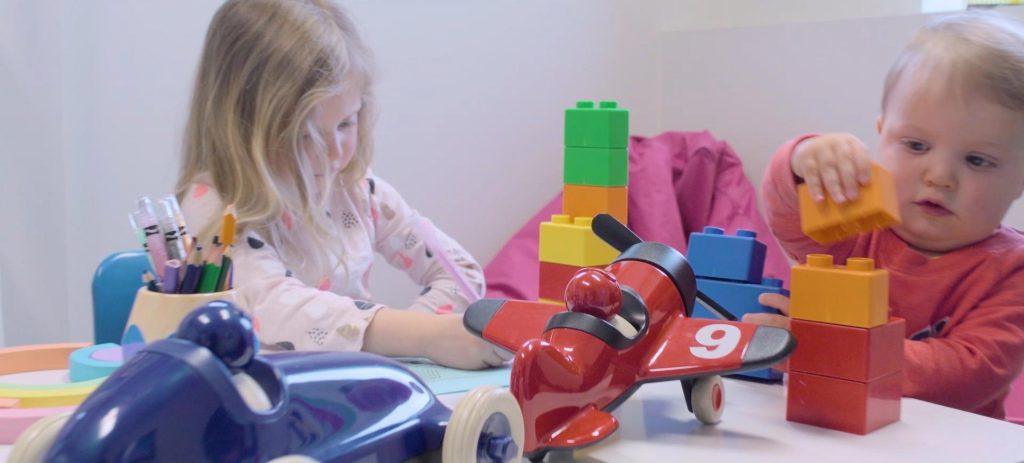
{"x": 655, "y": 427}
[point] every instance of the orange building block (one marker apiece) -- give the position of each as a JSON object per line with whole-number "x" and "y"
{"x": 847, "y": 352}
{"x": 875, "y": 208}
{"x": 843, "y": 405}
{"x": 854, "y": 295}
{"x": 588, "y": 201}
{"x": 570, "y": 241}
{"x": 553, "y": 278}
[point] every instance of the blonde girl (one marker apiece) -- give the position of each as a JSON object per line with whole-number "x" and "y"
{"x": 281, "y": 126}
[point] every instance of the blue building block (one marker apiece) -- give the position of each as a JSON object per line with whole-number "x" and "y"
{"x": 740, "y": 299}
{"x": 713, "y": 254}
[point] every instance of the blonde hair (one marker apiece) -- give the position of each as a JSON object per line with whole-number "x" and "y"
{"x": 265, "y": 66}
{"x": 977, "y": 51}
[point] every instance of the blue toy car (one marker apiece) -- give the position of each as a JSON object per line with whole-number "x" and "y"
{"x": 204, "y": 395}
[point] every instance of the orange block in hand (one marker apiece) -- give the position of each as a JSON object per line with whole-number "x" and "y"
{"x": 875, "y": 208}
{"x": 588, "y": 201}
{"x": 854, "y": 295}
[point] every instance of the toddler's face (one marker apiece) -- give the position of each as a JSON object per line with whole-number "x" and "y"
{"x": 336, "y": 119}
{"x": 957, "y": 159}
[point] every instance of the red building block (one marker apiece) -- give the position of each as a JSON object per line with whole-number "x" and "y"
{"x": 848, "y": 406}
{"x": 553, "y": 278}
{"x": 847, "y": 352}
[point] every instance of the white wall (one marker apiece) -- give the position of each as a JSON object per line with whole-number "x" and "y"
{"x": 33, "y": 235}
{"x": 94, "y": 96}
{"x": 757, "y": 87}
{"x": 471, "y": 93}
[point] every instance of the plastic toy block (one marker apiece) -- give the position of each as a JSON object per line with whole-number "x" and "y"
{"x": 596, "y": 166}
{"x": 740, "y": 299}
{"x": 848, "y": 352}
{"x": 607, "y": 126}
{"x": 854, "y": 295}
{"x": 553, "y": 278}
{"x": 713, "y": 254}
{"x": 875, "y": 208}
{"x": 571, "y": 242}
{"x": 849, "y": 406}
{"x": 588, "y": 201}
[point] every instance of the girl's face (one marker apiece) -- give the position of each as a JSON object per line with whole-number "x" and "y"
{"x": 336, "y": 120}
{"x": 957, "y": 160}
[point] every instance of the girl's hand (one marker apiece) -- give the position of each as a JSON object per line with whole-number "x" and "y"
{"x": 838, "y": 163}
{"x": 451, "y": 345}
{"x": 780, "y": 303}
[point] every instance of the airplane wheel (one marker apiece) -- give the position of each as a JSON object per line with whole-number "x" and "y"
{"x": 708, "y": 399}
{"x": 32, "y": 445}
{"x": 487, "y": 425}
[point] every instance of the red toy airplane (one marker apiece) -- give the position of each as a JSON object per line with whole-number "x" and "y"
{"x": 626, "y": 325}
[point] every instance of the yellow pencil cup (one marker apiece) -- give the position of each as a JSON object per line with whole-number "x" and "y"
{"x": 157, "y": 315}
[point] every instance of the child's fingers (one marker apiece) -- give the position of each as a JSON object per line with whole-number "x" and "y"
{"x": 775, "y": 301}
{"x": 828, "y": 166}
{"x": 809, "y": 172}
{"x": 861, "y": 161}
{"x": 848, "y": 175}
{"x": 767, "y": 319}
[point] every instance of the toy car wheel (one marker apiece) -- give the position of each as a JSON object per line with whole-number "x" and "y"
{"x": 708, "y": 399}
{"x": 486, "y": 426}
{"x": 32, "y": 445}
{"x": 294, "y": 459}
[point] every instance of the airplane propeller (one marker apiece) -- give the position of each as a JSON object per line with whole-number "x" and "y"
{"x": 621, "y": 238}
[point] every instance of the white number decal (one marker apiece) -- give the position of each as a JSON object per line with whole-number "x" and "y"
{"x": 713, "y": 347}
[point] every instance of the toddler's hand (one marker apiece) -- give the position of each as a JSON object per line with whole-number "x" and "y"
{"x": 834, "y": 162}
{"x": 453, "y": 346}
{"x": 780, "y": 303}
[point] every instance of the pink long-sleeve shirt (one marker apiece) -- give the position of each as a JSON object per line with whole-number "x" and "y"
{"x": 964, "y": 310}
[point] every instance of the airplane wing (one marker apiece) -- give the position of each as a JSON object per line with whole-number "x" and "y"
{"x": 694, "y": 347}
{"x": 509, "y": 323}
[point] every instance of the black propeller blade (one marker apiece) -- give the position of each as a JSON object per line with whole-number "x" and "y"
{"x": 621, "y": 238}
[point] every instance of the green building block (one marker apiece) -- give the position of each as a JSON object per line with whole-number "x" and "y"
{"x": 607, "y": 126}
{"x": 596, "y": 166}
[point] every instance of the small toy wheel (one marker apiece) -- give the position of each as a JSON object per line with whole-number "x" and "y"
{"x": 294, "y": 459}
{"x": 486, "y": 426}
{"x": 32, "y": 445}
{"x": 708, "y": 399}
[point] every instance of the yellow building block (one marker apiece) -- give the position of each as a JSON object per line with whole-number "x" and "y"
{"x": 588, "y": 201}
{"x": 550, "y": 301}
{"x": 875, "y": 208}
{"x": 854, "y": 295}
{"x": 571, "y": 242}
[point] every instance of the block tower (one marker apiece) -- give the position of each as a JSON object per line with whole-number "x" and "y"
{"x": 596, "y": 176}
{"x": 730, "y": 270}
{"x": 846, "y": 372}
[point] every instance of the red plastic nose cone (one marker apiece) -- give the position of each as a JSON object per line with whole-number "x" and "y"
{"x": 594, "y": 291}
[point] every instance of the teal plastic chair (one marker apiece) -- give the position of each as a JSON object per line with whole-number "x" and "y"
{"x": 114, "y": 285}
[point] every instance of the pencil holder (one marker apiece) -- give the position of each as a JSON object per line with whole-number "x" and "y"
{"x": 157, "y": 315}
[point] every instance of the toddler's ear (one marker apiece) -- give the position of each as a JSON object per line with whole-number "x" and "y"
{"x": 878, "y": 124}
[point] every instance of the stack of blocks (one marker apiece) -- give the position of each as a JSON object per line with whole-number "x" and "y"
{"x": 729, "y": 270}
{"x": 846, "y": 372}
{"x": 596, "y": 174}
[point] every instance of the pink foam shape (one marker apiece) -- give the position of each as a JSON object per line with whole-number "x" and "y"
{"x": 14, "y": 421}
